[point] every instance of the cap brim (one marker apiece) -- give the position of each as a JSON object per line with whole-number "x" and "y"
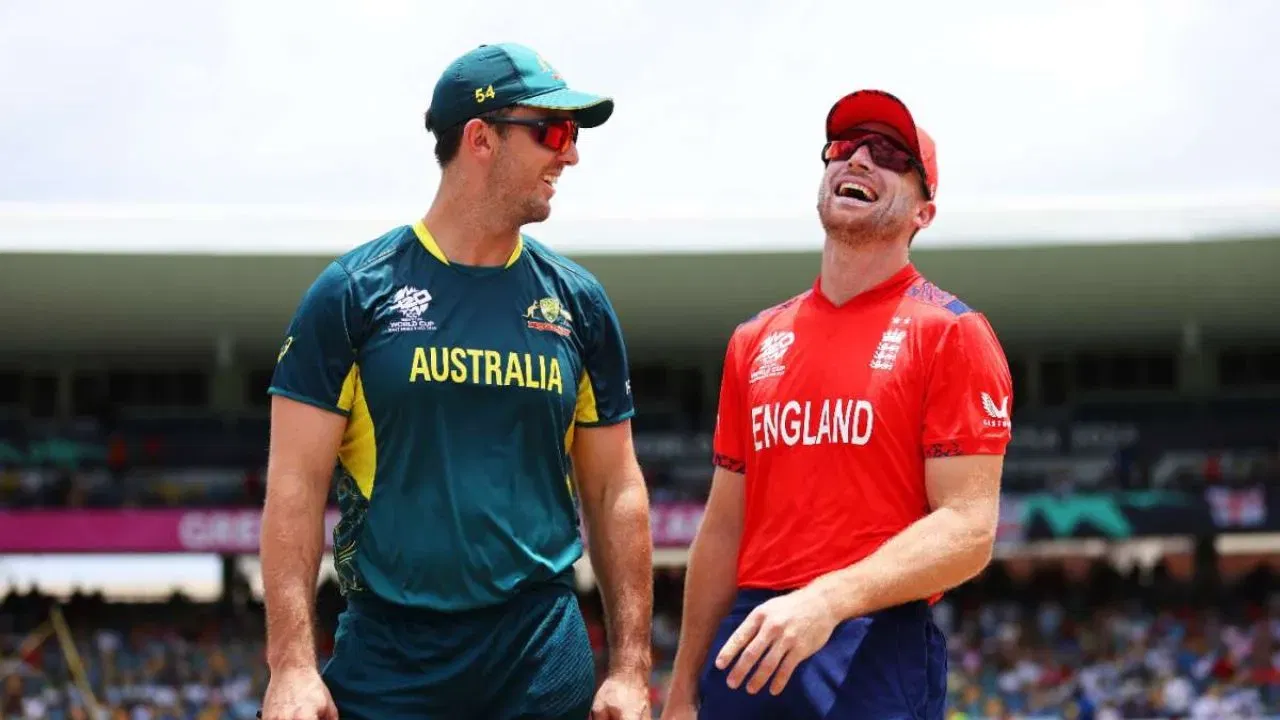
{"x": 868, "y": 106}
{"x": 589, "y": 110}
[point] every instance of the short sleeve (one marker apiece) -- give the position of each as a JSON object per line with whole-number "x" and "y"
{"x": 604, "y": 390}
{"x": 729, "y": 445}
{"x": 316, "y": 363}
{"x": 969, "y": 396}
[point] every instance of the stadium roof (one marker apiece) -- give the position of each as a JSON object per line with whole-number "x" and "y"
{"x": 327, "y": 231}
{"x": 166, "y": 280}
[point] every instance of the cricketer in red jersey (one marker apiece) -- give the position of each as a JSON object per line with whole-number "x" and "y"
{"x": 858, "y": 449}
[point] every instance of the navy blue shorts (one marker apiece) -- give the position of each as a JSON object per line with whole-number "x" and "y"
{"x": 890, "y": 665}
{"x": 528, "y": 659}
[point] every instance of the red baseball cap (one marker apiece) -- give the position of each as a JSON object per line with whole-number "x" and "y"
{"x": 865, "y": 106}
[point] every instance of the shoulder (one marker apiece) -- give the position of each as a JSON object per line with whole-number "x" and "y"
{"x": 935, "y": 302}
{"x": 352, "y": 273}
{"x": 939, "y": 308}
{"x": 771, "y": 321}
{"x": 949, "y": 320}
{"x": 772, "y": 316}
{"x": 372, "y": 255}
{"x": 580, "y": 283}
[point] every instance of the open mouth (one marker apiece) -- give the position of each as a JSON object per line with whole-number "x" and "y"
{"x": 550, "y": 180}
{"x": 856, "y": 191}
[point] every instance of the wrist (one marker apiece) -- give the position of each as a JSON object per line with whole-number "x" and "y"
{"x": 681, "y": 691}
{"x": 292, "y": 666}
{"x": 630, "y": 665}
{"x": 840, "y": 600}
{"x": 291, "y": 658}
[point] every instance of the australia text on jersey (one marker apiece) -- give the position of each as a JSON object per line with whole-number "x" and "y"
{"x": 486, "y": 367}
{"x": 838, "y": 421}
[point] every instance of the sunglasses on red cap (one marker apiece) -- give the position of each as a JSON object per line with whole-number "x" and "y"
{"x": 552, "y": 133}
{"x": 885, "y": 152}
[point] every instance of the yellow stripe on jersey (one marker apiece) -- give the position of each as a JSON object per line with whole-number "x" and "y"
{"x": 359, "y": 450}
{"x": 568, "y": 450}
{"x": 586, "y": 412}
{"x": 429, "y": 242}
{"x": 568, "y": 439}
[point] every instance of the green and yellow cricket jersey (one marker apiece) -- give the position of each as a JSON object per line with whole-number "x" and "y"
{"x": 462, "y": 387}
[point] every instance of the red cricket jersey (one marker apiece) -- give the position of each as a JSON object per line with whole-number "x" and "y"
{"x": 830, "y": 412}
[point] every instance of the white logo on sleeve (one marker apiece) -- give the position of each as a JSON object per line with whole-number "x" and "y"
{"x": 998, "y": 414}
{"x": 411, "y": 303}
{"x": 769, "y": 356}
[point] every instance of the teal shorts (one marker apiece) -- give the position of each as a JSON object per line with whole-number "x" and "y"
{"x": 528, "y": 659}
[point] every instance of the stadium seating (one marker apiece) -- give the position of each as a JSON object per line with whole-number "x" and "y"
{"x": 1035, "y": 648}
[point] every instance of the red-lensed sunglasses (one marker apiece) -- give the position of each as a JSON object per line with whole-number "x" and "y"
{"x": 885, "y": 152}
{"x": 551, "y": 133}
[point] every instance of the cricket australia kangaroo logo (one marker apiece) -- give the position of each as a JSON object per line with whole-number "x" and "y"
{"x": 549, "y": 314}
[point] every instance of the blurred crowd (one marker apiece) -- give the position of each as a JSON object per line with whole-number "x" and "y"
{"x": 199, "y": 458}
{"x": 82, "y": 479}
{"x": 1101, "y": 645}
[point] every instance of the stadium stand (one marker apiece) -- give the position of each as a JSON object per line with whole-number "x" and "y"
{"x": 1100, "y": 644}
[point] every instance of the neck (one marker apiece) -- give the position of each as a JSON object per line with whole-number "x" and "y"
{"x": 849, "y": 270}
{"x": 467, "y": 233}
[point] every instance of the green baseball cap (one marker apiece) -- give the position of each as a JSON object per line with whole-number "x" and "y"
{"x": 497, "y": 76}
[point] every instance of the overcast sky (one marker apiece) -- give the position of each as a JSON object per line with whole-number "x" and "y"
{"x": 254, "y": 101}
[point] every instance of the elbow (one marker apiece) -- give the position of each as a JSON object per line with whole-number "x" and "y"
{"x": 632, "y": 494}
{"x": 621, "y": 497}
{"x": 973, "y": 547}
{"x": 626, "y": 497}
{"x": 979, "y": 548}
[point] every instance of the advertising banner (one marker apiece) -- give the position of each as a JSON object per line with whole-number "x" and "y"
{"x": 213, "y": 531}
{"x": 135, "y": 531}
{"x": 1024, "y": 517}
{"x": 1122, "y": 515}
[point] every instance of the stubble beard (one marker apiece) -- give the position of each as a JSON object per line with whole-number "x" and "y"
{"x": 883, "y": 225}
{"x": 520, "y": 208}
{"x": 534, "y": 210}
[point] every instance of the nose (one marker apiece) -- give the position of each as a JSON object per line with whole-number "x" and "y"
{"x": 862, "y": 158}
{"x": 570, "y": 155}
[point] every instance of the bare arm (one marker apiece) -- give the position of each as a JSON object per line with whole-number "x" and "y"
{"x": 711, "y": 580}
{"x": 615, "y": 505}
{"x": 304, "y": 446}
{"x": 944, "y": 549}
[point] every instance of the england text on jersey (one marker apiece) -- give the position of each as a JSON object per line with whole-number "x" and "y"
{"x": 842, "y": 421}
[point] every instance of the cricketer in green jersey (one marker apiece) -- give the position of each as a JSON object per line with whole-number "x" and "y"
{"x": 473, "y": 386}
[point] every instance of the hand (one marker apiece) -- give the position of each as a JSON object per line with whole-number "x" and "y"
{"x": 622, "y": 697}
{"x": 784, "y": 631}
{"x": 298, "y": 694}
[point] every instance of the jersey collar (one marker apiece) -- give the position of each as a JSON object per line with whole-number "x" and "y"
{"x": 893, "y": 287}
{"x": 431, "y": 246}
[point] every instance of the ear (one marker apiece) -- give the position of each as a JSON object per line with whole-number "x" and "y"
{"x": 925, "y": 214}
{"x": 479, "y": 139}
